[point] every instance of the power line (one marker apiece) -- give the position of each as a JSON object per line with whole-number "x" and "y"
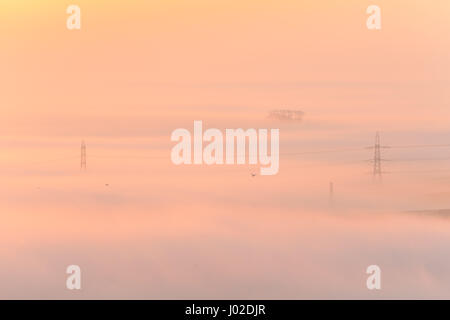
{"x": 421, "y": 146}
{"x": 377, "y": 157}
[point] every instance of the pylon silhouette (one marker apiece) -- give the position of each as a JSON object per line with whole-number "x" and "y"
{"x": 377, "y": 158}
{"x": 377, "y": 172}
{"x": 83, "y": 155}
{"x": 331, "y": 194}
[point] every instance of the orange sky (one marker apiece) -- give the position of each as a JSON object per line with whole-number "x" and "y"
{"x": 137, "y": 70}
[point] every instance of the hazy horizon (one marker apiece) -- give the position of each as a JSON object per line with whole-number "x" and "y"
{"x": 141, "y": 227}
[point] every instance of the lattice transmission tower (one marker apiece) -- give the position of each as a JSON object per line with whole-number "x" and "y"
{"x": 377, "y": 157}
{"x": 377, "y": 172}
{"x": 83, "y": 155}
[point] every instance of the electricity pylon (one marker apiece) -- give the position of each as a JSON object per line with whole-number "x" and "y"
{"x": 331, "y": 195}
{"x": 83, "y": 155}
{"x": 377, "y": 158}
{"x": 377, "y": 172}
